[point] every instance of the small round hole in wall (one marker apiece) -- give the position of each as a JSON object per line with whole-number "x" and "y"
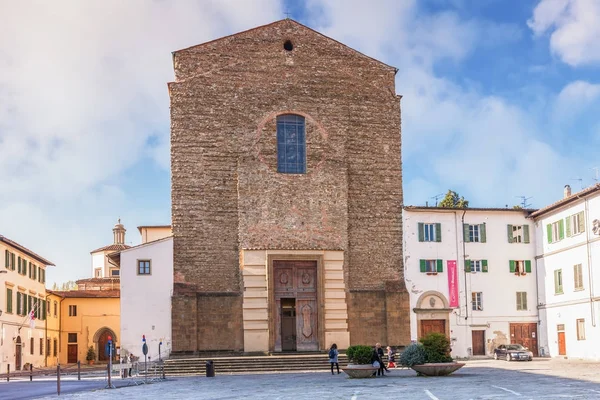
{"x": 288, "y": 45}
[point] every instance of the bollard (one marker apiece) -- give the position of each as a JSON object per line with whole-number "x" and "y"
{"x": 30, "y": 372}
{"x": 210, "y": 369}
{"x": 78, "y": 370}
{"x": 58, "y": 379}
{"x": 8, "y": 373}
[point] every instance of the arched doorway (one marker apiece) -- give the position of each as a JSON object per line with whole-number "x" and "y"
{"x": 18, "y": 354}
{"x": 101, "y": 339}
{"x": 433, "y": 314}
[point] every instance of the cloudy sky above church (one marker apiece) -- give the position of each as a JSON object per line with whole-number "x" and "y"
{"x": 500, "y": 100}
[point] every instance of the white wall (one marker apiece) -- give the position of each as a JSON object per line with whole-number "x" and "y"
{"x": 498, "y": 285}
{"x": 572, "y": 304}
{"x": 146, "y": 299}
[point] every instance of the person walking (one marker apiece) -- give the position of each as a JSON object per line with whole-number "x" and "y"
{"x": 379, "y": 351}
{"x": 333, "y": 358}
{"x": 391, "y": 358}
{"x": 130, "y": 361}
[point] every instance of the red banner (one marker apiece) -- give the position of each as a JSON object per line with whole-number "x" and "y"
{"x": 452, "y": 284}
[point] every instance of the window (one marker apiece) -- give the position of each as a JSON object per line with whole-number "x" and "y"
{"x": 7, "y": 259}
{"x": 575, "y": 224}
{"x": 578, "y": 277}
{"x": 55, "y": 309}
{"x": 31, "y": 342}
{"x": 114, "y": 272}
{"x": 558, "y": 284}
{"x": 521, "y": 301}
{"x": 474, "y": 233}
{"x": 581, "y": 329}
{"x": 41, "y": 346}
{"x": 98, "y": 273}
{"x": 143, "y": 267}
{"x": 72, "y": 338}
{"x": 72, "y": 311}
{"x": 9, "y": 300}
{"x": 476, "y": 266}
{"x": 519, "y": 267}
{"x": 431, "y": 266}
{"x": 476, "y": 301}
{"x": 55, "y": 350}
{"x": 291, "y": 144}
{"x": 47, "y": 347}
{"x": 35, "y": 274}
{"x": 556, "y": 231}
{"x": 430, "y": 232}
{"x": 518, "y": 233}
{"x": 43, "y": 272}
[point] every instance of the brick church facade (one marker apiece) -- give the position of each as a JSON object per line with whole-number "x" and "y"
{"x": 286, "y": 195}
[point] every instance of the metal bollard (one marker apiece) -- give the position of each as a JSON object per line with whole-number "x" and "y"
{"x": 210, "y": 369}
{"x": 30, "y": 372}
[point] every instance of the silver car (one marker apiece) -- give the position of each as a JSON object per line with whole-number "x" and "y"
{"x": 511, "y": 352}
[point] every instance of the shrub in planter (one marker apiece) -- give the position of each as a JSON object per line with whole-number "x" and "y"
{"x": 437, "y": 348}
{"x": 91, "y": 354}
{"x": 359, "y": 354}
{"x": 414, "y": 354}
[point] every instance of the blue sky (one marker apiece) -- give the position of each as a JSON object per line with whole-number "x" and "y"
{"x": 500, "y": 99}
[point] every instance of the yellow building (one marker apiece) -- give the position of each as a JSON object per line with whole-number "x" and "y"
{"x": 88, "y": 317}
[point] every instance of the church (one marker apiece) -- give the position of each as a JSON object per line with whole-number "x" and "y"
{"x": 286, "y": 195}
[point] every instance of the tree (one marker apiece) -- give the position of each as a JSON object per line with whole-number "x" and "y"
{"x": 69, "y": 285}
{"x": 517, "y": 207}
{"x": 453, "y": 200}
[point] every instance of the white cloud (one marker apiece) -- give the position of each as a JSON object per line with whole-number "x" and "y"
{"x": 574, "y": 27}
{"x": 83, "y": 90}
{"x": 575, "y": 98}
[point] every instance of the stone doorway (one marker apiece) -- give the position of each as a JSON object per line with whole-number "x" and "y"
{"x": 18, "y": 354}
{"x": 295, "y": 303}
{"x": 478, "y": 342}
{"x": 101, "y": 338}
{"x": 433, "y": 314}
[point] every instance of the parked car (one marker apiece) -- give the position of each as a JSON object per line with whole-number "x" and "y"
{"x": 511, "y": 352}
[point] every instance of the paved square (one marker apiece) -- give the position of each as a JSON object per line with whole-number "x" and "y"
{"x": 486, "y": 379}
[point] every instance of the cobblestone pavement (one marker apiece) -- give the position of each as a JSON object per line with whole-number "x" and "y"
{"x": 483, "y": 379}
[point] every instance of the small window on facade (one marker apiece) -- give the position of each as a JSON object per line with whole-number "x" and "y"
{"x": 291, "y": 144}
{"x": 144, "y": 267}
{"x": 522, "y": 301}
{"x": 98, "y": 273}
{"x": 114, "y": 272}
{"x": 55, "y": 349}
{"x": 430, "y": 232}
{"x": 41, "y": 346}
{"x": 72, "y": 311}
{"x": 31, "y": 344}
{"x": 55, "y": 309}
{"x": 578, "y": 277}
{"x": 558, "y": 284}
{"x": 72, "y": 338}
{"x": 48, "y": 347}
{"x": 581, "y": 329}
{"x": 477, "y": 301}
{"x": 431, "y": 266}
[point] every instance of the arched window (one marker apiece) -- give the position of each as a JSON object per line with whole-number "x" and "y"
{"x": 291, "y": 144}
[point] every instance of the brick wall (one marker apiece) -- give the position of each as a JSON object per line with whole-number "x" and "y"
{"x": 226, "y": 193}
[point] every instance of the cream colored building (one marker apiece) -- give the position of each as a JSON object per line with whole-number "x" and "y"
{"x": 151, "y": 233}
{"x": 23, "y": 280}
{"x": 101, "y": 266}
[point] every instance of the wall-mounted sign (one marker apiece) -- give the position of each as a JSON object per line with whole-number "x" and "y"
{"x": 596, "y": 227}
{"x": 452, "y": 283}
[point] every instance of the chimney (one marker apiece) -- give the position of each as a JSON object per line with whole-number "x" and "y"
{"x": 567, "y": 191}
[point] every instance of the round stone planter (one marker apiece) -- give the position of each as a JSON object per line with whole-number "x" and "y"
{"x": 359, "y": 370}
{"x": 439, "y": 369}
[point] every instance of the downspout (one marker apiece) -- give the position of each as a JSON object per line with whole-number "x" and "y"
{"x": 589, "y": 262}
{"x": 465, "y": 266}
{"x": 46, "y": 333}
{"x": 60, "y": 318}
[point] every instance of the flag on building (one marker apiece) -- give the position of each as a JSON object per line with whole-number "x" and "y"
{"x": 32, "y": 319}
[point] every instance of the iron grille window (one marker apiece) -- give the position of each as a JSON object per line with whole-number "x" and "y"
{"x": 291, "y": 144}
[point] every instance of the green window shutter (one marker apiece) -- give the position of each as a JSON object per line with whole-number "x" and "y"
{"x": 528, "y": 266}
{"x": 509, "y": 231}
{"x": 12, "y": 256}
{"x": 34, "y": 271}
{"x": 24, "y": 268}
{"x": 568, "y": 226}
{"x": 9, "y": 300}
{"x": 44, "y": 310}
{"x": 423, "y": 265}
{"x": 482, "y": 235}
{"x": 549, "y": 230}
{"x": 438, "y": 232}
{"x": 44, "y": 276}
{"x": 6, "y": 259}
{"x": 561, "y": 229}
{"x": 524, "y": 300}
{"x": 29, "y": 304}
{"x": 511, "y": 265}
{"x": 525, "y": 233}
{"x": 19, "y": 303}
{"x": 466, "y": 233}
{"x": 19, "y": 263}
{"x": 440, "y": 266}
{"x": 421, "y": 232}
{"x": 581, "y": 217}
{"x": 484, "y": 266}
{"x": 467, "y": 265}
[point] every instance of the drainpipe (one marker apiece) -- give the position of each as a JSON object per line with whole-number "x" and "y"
{"x": 464, "y": 266}
{"x": 46, "y": 332}
{"x": 589, "y": 262}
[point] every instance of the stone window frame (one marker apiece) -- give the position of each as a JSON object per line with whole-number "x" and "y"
{"x": 138, "y": 262}
{"x": 299, "y": 122}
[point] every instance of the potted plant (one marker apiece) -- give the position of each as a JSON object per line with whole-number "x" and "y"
{"x": 359, "y": 362}
{"x": 91, "y": 355}
{"x": 431, "y": 357}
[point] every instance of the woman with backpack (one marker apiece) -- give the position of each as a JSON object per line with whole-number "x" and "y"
{"x": 333, "y": 358}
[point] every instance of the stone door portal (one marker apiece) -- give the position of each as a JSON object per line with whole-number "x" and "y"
{"x": 295, "y": 288}
{"x": 433, "y": 326}
{"x": 478, "y": 342}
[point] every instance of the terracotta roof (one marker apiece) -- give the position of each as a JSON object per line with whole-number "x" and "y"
{"x": 565, "y": 201}
{"x": 113, "y": 293}
{"x": 111, "y": 247}
{"x": 25, "y": 250}
{"x": 432, "y": 208}
{"x": 152, "y": 226}
{"x": 289, "y": 20}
